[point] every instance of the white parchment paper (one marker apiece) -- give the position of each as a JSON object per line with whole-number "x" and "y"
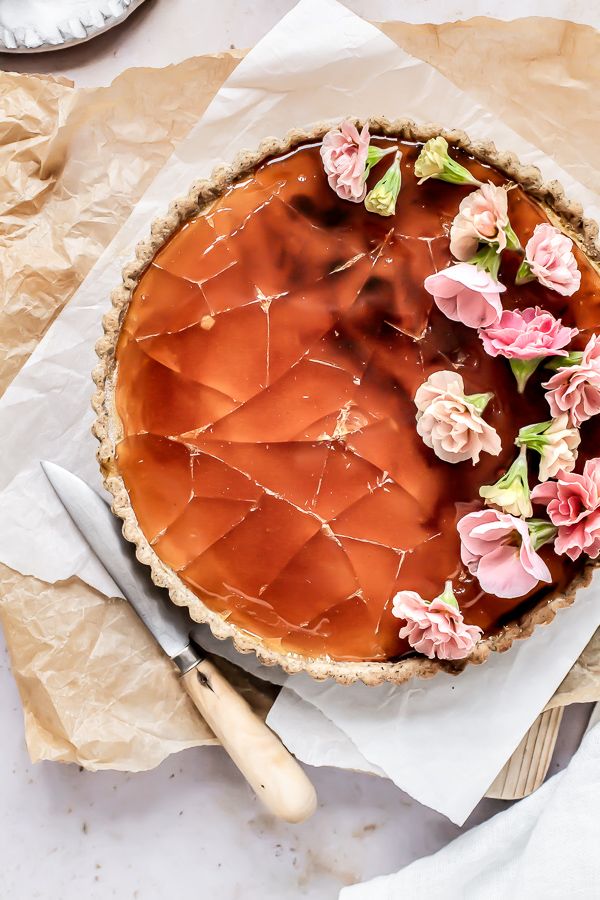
{"x": 321, "y": 61}
{"x": 444, "y": 741}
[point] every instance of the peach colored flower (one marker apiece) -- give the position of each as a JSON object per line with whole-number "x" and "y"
{"x": 436, "y": 628}
{"x": 549, "y": 258}
{"x": 344, "y": 153}
{"x": 527, "y": 334}
{"x": 451, "y": 423}
{"x": 497, "y": 548}
{"x": 573, "y": 505}
{"x": 482, "y": 218}
{"x": 555, "y": 441}
{"x": 576, "y": 389}
{"x": 465, "y": 293}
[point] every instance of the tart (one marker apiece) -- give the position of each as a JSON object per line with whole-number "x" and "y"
{"x": 256, "y": 405}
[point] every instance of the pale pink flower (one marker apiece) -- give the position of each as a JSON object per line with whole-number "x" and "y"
{"x": 556, "y": 442}
{"x": 497, "y": 549}
{"x": 573, "y": 504}
{"x": 576, "y": 389}
{"x": 465, "y": 293}
{"x": 527, "y": 334}
{"x": 549, "y": 255}
{"x": 560, "y": 449}
{"x": 451, "y": 423}
{"x": 482, "y": 218}
{"x": 344, "y": 153}
{"x": 436, "y": 628}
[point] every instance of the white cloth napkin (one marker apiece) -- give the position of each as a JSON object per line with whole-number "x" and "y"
{"x": 547, "y": 845}
{"x": 321, "y": 61}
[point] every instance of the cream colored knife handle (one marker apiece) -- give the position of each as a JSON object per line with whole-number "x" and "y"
{"x": 270, "y": 769}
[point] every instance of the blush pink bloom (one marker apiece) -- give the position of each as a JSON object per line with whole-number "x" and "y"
{"x": 465, "y": 293}
{"x": 576, "y": 389}
{"x": 451, "y": 423}
{"x": 527, "y": 334}
{"x": 436, "y": 628}
{"x": 344, "y": 153}
{"x": 549, "y": 254}
{"x": 497, "y": 549}
{"x": 573, "y": 504}
{"x": 482, "y": 218}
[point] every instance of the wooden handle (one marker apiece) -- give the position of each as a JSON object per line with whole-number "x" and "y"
{"x": 527, "y": 767}
{"x": 269, "y": 768}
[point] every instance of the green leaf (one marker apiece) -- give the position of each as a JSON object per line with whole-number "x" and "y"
{"x": 374, "y": 156}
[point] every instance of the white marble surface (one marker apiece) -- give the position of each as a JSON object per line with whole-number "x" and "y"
{"x": 192, "y": 825}
{"x": 166, "y": 31}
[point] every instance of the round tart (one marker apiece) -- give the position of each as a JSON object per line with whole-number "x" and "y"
{"x": 256, "y": 405}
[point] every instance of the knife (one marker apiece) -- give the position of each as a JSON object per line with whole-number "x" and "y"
{"x": 270, "y": 769}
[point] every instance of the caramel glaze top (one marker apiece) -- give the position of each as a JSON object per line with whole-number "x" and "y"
{"x": 266, "y": 372}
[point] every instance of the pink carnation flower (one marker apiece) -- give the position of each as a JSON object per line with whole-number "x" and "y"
{"x": 573, "y": 504}
{"x": 527, "y": 334}
{"x": 344, "y": 153}
{"x": 549, "y": 254}
{"x": 576, "y": 389}
{"x": 450, "y": 422}
{"x": 465, "y": 293}
{"x": 436, "y": 628}
{"x": 482, "y": 218}
{"x": 497, "y": 549}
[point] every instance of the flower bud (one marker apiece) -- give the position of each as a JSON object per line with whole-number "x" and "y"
{"x": 382, "y": 198}
{"x": 434, "y": 162}
{"x": 511, "y": 492}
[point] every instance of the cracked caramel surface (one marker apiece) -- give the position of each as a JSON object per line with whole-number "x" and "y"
{"x": 267, "y": 366}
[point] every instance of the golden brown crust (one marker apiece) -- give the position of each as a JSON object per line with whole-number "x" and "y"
{"x": 107, "y": 425}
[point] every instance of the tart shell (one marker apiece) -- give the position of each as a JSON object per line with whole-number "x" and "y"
{"x": 107, "y": 427}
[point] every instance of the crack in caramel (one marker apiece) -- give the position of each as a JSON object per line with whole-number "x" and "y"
{"x": 267, "y": 366}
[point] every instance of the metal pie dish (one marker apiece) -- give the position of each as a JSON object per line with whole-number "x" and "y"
{"x": 107, "y": 427}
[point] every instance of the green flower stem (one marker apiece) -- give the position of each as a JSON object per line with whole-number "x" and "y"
{"x": 532, "y": 436}
{"x": 447, "y": 596}
{"x": 560, "y": 362}
{"x": 541, "y": 532}
{"x": 523, "y": 369}
{"x": 488, "y": 258}
{"x": 479, "y": 401}
{"x": 375, "y": 155}
{"x": 454, "y": 173}
{"x": 524, "y": 273}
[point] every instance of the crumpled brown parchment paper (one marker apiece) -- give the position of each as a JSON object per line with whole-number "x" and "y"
{"x": 95, "y": 688}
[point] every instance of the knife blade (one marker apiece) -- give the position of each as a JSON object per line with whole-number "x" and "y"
{"x": 169, "y": 624}
{"x": 267, "y": 765}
